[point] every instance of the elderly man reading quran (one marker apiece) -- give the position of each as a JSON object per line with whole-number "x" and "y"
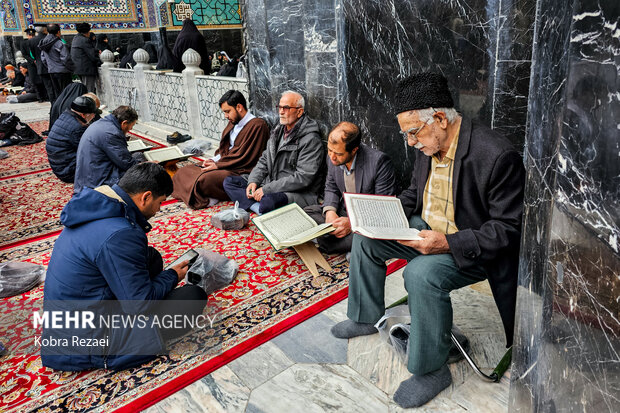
{"x": 466, "y": 197}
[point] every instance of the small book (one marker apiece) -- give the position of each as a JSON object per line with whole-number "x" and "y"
{"x": 379, "y": 217}
{"x": 171, "y": 153}
{"x": 137, "y": 145}
{"x": 289, "y": 226}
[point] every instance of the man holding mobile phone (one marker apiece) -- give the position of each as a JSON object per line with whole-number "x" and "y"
{"x": 102, "y": 258}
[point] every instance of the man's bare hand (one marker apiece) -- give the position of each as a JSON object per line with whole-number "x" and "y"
{"x": 433, "y": 243}
{"x": 343, "y": 227}
{"x": 258, "y": 194}
{"x": 249, "y": 191}
{"x": 208, "y": 165}
{"x": 181, "y": 270}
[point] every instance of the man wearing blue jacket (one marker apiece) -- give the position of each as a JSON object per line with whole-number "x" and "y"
{"x": 102, "y": 156}
{"x": 102, "y": 263}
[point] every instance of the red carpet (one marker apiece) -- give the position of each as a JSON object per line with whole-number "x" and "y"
{"x": 25, "y": 159}
{"x": 272, "y": 292}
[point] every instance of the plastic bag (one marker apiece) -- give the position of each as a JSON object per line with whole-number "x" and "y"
{"x": 234, "y": 218}
{"x": 394, "y": 329}
{"x": 19, "y": 277}
{"x": 12, "y": 99}
{"x": 195, "y": 147}
{"x": 3, "y": 154}
{"x": 211, "y": 271}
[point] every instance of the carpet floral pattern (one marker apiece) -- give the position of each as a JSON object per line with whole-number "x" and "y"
{"x": 25, "y": 159}
{"x": 270, "y": 290}
{"x": 31, "y": 205}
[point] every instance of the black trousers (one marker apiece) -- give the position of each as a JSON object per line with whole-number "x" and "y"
{"x": 49, "y": 88}
{"x": 59, "y": 82}
{"x": 188, "y": 300}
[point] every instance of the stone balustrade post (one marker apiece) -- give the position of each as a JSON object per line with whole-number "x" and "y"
{"x": 191, "y": 59}
{"x": 106, "y": 96}
{"x": 141, "y": 57}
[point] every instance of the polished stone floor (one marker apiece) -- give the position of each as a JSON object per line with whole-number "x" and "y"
{"x": 306, "y": 369}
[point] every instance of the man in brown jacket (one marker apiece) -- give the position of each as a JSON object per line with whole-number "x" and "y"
{"x": 243, "y": 141}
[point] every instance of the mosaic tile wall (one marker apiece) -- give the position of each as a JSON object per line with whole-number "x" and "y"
{"x": 210, "y": 90}
{"x": 118, "y": 15}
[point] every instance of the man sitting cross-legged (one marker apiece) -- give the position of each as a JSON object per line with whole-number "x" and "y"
{"x": 466, "y": 195}
{"x": 242, "y": 143}
{"x": 290, "y": 168}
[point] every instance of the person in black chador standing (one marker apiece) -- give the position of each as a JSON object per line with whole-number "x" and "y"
{"x": 190, "y": 38}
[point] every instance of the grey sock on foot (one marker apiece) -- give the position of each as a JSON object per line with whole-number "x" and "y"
{"x": 417, "y": 390}
{"x": 350, "y": 329}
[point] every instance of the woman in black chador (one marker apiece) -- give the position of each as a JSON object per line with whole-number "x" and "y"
{"x": 190, "y": 38}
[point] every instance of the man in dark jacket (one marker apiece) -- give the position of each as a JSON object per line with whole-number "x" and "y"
{"x": 102, "y": 156}
{"x": 64, "y": 137}
{"x": 55, "y": 56}
{"x": 102, "y": 264}
{"x": 85, "y": 57}
{"x": 351, "y": 167}
{"x": 466, "y": 197}
{"x": 46, "y": 90}
{"x": 291, "y": 168}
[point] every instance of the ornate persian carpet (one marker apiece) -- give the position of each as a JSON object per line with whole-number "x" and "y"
{"x": 272, "y": 292}
{"x": 31, "y": 206}
{"x": 25, "y": 159}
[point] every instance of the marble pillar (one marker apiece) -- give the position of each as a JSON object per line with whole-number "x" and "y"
{"x": 346, "y": 56}
{"x": 567, "y": 338}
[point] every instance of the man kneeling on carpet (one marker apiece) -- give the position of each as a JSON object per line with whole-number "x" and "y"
{"x": 466, "y": 197}
{"x": 102, "y": 264}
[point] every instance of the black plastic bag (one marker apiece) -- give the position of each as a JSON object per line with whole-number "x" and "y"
{"x": 24, "y": 135}
{"x": 8, "y": 122}
{"x": 19, "y": 277}
{"x": 211, "y": 271}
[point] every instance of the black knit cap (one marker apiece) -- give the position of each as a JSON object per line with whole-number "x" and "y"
{"x": 82, "y": 27}
{"x": 84, "y": 104}
{"x": 422, "y": 91}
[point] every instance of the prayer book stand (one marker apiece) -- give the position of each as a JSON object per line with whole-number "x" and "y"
{"x": 311, "y": 256}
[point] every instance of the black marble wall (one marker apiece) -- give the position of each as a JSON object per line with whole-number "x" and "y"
{"x": 346, "y": 56}
{"x": 567, "y": 339}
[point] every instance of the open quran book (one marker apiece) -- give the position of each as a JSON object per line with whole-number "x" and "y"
{"x": 289, "y": 226}
{"x": 137, "y": 145}
{"x": 162, "y": 155}
{"x": 379, "y": 217}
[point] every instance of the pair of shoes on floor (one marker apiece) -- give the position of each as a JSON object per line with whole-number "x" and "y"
{"x": 177, "y": 137}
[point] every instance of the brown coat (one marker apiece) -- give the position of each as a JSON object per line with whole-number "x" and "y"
{"x": 194, "y": 186}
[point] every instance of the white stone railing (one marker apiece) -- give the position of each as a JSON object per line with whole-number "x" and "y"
{"x": 187, "y": 101}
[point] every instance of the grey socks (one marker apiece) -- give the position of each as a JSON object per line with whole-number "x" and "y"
{"x": 350, "y": 329}
{"x": 417, "y": 390}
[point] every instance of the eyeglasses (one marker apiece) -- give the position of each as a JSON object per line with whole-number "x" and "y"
{"x": 286, "y": 108}
{"x": 413, "y": 132}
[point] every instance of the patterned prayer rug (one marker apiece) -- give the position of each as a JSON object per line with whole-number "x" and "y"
{"x": 31, "y": 205}
{"x": 272, "y": 292}
{"x": 25, "y": 159}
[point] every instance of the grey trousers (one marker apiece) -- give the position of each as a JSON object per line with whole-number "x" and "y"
{"x": 89, "y": 81}
{"x": 328, "y": 243}
{"x": 428, "y": 281}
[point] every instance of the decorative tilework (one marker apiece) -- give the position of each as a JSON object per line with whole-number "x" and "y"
{"x": 210, "y": 90}
{"x": 206, "y": 12}
{"x": 102, "y": 14}
{"x": 166, "y": 99}
{"x": 123, "y": 87}
{"x": 10, "y": 16}
{"x": 164, "y": 18}
{"x": 152, "y": 15}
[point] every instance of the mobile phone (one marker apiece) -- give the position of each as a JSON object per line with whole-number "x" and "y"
{"x": 190, "y": 255}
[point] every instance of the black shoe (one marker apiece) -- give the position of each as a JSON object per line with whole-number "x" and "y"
{"x": 177, "y": 137}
